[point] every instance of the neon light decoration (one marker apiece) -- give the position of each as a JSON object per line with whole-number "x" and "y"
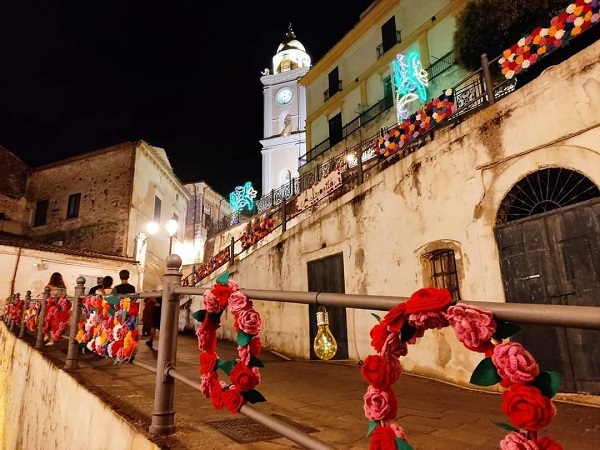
{"x": 242, "y": 197}
{"x": 410, "y": 82}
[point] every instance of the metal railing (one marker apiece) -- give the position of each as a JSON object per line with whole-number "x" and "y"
{"x": 163, "y": 413}
{"x": 441, "y": 65}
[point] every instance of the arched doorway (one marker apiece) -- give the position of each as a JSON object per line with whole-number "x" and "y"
{"x": 548, "y": 236}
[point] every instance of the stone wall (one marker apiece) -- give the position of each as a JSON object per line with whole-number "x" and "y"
{"x": 104, "y": 179}
{"x": 43, "y": 407}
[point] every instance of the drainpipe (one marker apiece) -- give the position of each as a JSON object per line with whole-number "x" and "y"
{"x": 14, "y": 277}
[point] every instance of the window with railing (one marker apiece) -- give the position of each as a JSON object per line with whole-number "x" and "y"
{"x": 390, "y": 36}
{"x": 443, "y": 271}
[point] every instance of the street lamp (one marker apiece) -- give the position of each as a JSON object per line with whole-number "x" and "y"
{"x": 172, "y": 226}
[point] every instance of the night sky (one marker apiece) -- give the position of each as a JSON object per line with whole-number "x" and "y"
{"x": 77, "y": 76}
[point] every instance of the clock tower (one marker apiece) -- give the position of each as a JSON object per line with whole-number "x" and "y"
{"x": 284, "y": 114}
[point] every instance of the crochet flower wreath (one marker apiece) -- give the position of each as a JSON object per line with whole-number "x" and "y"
{"x": 30, "y": 316}
{"x": 243, "y": 371}
{"x": 109, "y": 329}
{"x": 526, "y": 400}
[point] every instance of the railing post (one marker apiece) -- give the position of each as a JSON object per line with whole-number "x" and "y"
{"x": 487, "y": 78}
{"x": 283, "y": 217}
{"x": 25, "y": 306}
{"x": 39, "y": 343}
{"x": 272, "y": 197}
{"x": 359, "y": 152}
{"x": 232, "y": 251}
{"x": 12, "y": 322}
{"x": 163, "y": 415}
{"x": 73, "y": 349}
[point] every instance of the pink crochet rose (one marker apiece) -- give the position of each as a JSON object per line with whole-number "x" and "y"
{"x": 514, "y": 363}
{"x": 249, "y": 321}
{"x": 244, "y": 352}
{"x": 211, "y": 302}
{"x": 393, "y": 347}
{"x": 517, "y": 441}
{"x": 379, "y": 404}
{"x": 428, "y": 320}
{"x": 233, "y": 285}
{"x": 206, "y": 380}
{"x": 474, "y": 327}
{"x": 237, "y": 302}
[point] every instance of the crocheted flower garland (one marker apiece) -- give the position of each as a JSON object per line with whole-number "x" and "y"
{"x": 58, "y": 314}
{"x": 527, "y": 397}
{"x": 244, "y": 370}
{"x": 30, "y": 316}
{"x": 109, "y": 329}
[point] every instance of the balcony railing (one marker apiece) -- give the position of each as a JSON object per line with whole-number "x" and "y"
{"x": 441, "y": 65}
{"x": 381, "y": 49}
{"x": 329, "y": 93}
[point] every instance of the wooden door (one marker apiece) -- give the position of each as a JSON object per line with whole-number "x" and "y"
{"x": 554, "y": 258}
{"x": 327, "y": 275}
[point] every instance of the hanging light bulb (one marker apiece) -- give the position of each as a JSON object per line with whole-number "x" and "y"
{"x": 325, "y": 345}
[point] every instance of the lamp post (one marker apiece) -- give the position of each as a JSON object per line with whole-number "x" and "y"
{"x": 171, "y": 226}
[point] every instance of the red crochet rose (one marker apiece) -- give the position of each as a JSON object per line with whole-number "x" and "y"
{"x": 547, "y": 443}
{"x": 216, "y": 395}
{"x": 383, "y": 438}
{"x": 527, "y": 408}
{"x": 222, "y": 293}
{"x": 378, "y": 372}
{"x": 396, "y": 317}
{"x": 255, "y": 346}
{"x": 232, "y": 400}
{"x": 379, "y": 334}
{"x": 428, "y": 299}
{"x": 207, "y": 362}
{"x": 243, "y": 377}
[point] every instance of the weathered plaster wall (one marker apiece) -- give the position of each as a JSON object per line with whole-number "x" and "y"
{"x": 104, "y": 179}
{"x": 42, "y": 407}
{"x": 446, "y": 194}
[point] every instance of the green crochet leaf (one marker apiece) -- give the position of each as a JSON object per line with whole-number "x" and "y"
{"x": 253, "y": 396}
{"x": 243, "y": 338}
{"x": 223, "y": 278}
{"x": 548, "y": 383}
{"x": 199, "y": 315}
{"x": 372, "y": 425}
{"x": 403, "y": 445}
{"x": 505, "y": 330}
{"x": 225, "y": 365}
{"x": 377, "y": 317}
{"x": 505, "y": 426}
{"x": 485, "y": 374}
{"x": 255, "y": 362}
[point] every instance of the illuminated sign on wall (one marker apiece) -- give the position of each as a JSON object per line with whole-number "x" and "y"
{"x": 242, "y": 197}
{"x": 410, "y": 82}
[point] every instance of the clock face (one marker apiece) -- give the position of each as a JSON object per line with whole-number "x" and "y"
{"x": 284, "y": 96}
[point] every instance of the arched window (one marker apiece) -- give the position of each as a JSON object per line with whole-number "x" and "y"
{"x": 545, "y": 190}
{"x": 442, "y": 271}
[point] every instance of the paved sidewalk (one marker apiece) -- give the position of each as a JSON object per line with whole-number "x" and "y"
{"x": 325, "y": 396}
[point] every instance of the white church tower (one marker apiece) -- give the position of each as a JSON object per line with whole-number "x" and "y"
{"x": 284, "y": 113}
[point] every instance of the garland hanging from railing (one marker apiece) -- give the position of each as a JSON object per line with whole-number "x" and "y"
{"x": 56, "y": 320}
{"x": 108, "y": 327}
{"x": 526, "y": 400}
{"x": 574, "y": 20}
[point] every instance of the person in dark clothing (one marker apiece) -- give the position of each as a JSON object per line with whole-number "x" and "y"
{"x": 124, "y": 287}
{"x": 156, "y": 314}
{"x": 93, "y": 289}
{"x": 148, "y": 316}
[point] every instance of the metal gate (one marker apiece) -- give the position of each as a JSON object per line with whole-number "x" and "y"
{"x": 327, "y": 275}
{"x": 554, "y": 258}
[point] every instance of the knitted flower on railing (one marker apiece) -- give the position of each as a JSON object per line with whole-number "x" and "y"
{"x": 15, "y": 311}
{"x": 243, "y": 372}
{"x": 58, "y": 313}
{"x": 30, "y": 316}
{"x": 526, "y": 401}
{"x": 113, "y": 335}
